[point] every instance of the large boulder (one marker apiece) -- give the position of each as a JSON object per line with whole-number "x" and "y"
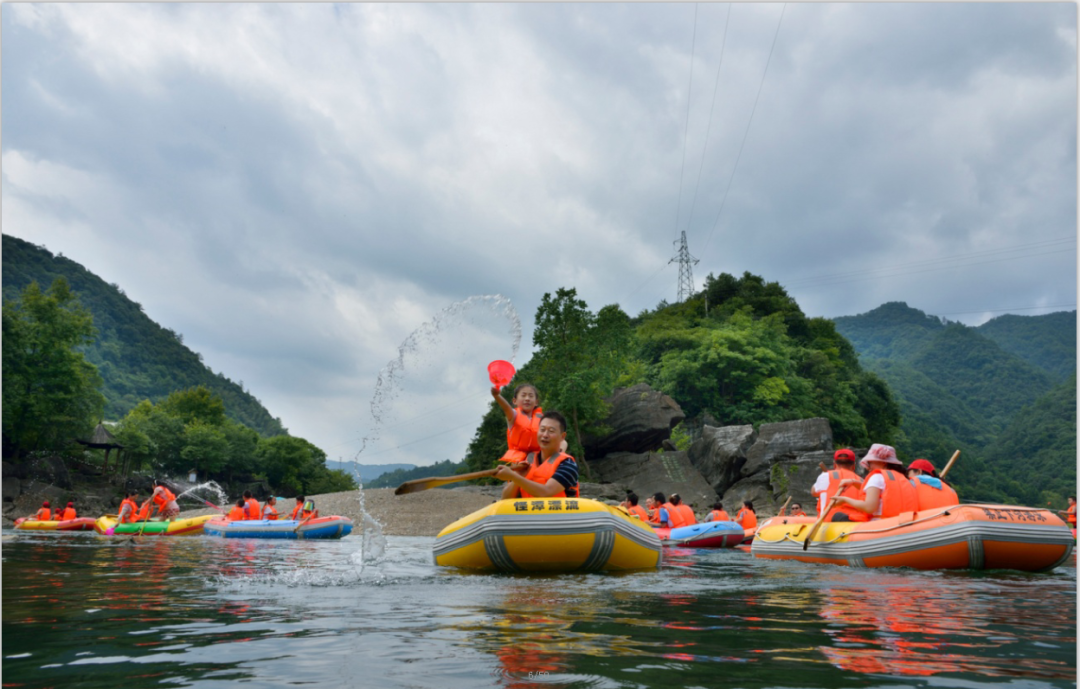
{"x": 720, "y": 453}
{"x": 786, "y": 440}
{"x": 45, "y": 470}
{"x": 12, "y": 488}
{"x": 640, "y": 420}
{"x": 647, "y": 473}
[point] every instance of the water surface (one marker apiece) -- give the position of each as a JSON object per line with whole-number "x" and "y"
{"x": 80, "y": 610}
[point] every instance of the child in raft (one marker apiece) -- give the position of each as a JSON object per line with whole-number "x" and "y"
{"x": 522, "y": 422}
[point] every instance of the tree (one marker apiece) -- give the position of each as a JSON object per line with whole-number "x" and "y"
{"x": 50, "y": 392}
{"x": 195, "y": 404}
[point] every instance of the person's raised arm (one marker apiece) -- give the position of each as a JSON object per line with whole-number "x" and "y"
{"x": 508, "y": 411}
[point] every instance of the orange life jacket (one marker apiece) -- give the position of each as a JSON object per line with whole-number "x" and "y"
{"x": 130, "y": 516}
{"x": 639, "y": 512}
{"x": 899, "y": 495}
{"x": 69, "y": 513}
{"x": 686, "y": 513}
{"x": 269, "y": 512}
{"x": 1070, "y": 516}
{"x": 56, "y": 516}
{"x": 747, "y": 519}
{"x": 253, "y": 510}
{"x": 521, "y": 435}
{"x": 654, "y": 516}
{"x": 719, "y": 516}
{"x": 44, "y": 515}
{"x": 675, "y": 517}
{"x": 542, "y": 471}
{"x": 930, "y": 497}
{"x": 835, "y": 477}
{"x": 144, "y": 513}
{"x": 296, "y": 510}
{"x": 163, "y": 497}
{"x": 800, "y": 513}
{"x": 236, "y": 514}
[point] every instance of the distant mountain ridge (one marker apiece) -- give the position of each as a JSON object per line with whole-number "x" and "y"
{"x": 368, "y": 472}
{"x": 982, "y": 390}
{"x": 137, "y": 358}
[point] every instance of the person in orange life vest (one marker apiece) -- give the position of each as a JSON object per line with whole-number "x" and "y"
{"x": 658, "y": 510}
{"x": 932, "y": 491}
{"x": 887, "y": 491}
{"x": 718, "y": 514}
{"x": 270, "y": 509}
{"x": 552, "y": 473}
{"x": 747, "y": 517}
{"x": 522, "y": 422}
{"x": 827, "y": 484}
{"x": 129, "y": 508}
{"x": 634, "y": 508}
{"x": 68, "y": 513}
{"x": 164, "y": 501}
{"x": 684, "y": 511}
{"x": 304, "y": 509}
{"x": 57, "y": 514}
{"x": 797, "y": 510}
{"x": 1070, "y": 514}
{"x": 238, "y": 513}
{"x": 44, "y": 514}
{"x": 251, "y": 506}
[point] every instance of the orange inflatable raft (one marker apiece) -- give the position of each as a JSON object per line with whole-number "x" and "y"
{"x": 958, "y": 537}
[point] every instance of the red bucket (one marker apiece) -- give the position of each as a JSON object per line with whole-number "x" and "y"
{"x": 501, "y": 372}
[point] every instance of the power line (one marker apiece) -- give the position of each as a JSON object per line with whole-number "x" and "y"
{"x": 708, "y": 130}
{"x": 746, "y": 133}
{"x": 686, "y": 130}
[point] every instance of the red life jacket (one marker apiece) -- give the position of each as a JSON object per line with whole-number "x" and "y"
{"x": 639, "y": 512}
{"x": 719, "y": 516}
{"x": 542, "y": 471}
{"x": 521, "y": 435}
{"x": 269, "y": 512}
{"x": 899, "y": 495}
{"x": 930, "y": 497}
{"x": 747, "y": 519}
{"x": 252, "y": 509}
{"x": 44, "y": 515}
{"x": 686, "y": 513}
{"x": 130, "y": 516}
{"x": 237, "y": 514}
{"x": 69, "y": 513}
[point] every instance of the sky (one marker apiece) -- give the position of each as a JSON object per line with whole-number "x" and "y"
{"x": 352, "y": 209}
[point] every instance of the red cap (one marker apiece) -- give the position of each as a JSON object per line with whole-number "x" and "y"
{"x": 71, "y": 504}
{"x": 845, "y": 454}
{"x": 923, "y": 466}
{"x": 45, "y": 504}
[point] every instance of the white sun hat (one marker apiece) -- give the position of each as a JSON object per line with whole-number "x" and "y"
{"x": 880, "y": 453}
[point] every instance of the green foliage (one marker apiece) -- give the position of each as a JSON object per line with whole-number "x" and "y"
{"x": 681, "y": 438}
{"x": 50, "y": 391}
{"x": 1046, "y": 342}
{"x": 137, "y": 359}
{"x": 393, "y": 479}
{"x": 296, "y": 466}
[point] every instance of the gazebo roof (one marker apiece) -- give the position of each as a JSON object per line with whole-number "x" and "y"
{"x": 101, "y": 437}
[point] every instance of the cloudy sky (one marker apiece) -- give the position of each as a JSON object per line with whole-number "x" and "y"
{"x": 301, "y": 189}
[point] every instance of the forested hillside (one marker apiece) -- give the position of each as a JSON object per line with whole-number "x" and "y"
{"x": 989, "y": 391}
{"x": 137, "y": 358}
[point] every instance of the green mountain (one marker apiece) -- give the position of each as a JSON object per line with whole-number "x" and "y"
{"x": 368, "y": 472}
{"x": 1046, "y": 342}
{"x": 137, "y": 358}
{"x": 978, "y": 390}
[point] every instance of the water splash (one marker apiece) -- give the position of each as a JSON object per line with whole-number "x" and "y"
{"x": 388, "y": 387}
{"x": 195, "y": 491}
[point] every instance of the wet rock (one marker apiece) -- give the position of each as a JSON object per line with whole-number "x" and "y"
{"x": 640, "y": 420}
{"x": 12, "y": 488}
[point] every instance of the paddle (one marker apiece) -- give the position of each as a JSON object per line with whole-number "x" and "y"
{"x": 783, "y": 507}
{"x": 818, "y": 523}
{"x": 949, "y": 465}
{"x": 419, "y": 484}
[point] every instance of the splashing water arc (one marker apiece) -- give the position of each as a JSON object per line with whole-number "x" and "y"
{"x": 388, "y": 386}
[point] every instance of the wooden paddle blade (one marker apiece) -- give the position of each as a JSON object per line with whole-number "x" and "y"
{"x": 419, "y": 484}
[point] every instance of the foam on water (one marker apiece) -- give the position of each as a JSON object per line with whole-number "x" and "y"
{"x": 388, "y": 387}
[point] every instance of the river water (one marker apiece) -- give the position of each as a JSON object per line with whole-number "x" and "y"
{"x": 80, "y": 610}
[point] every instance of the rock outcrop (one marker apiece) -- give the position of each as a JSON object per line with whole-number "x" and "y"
{"x": 640, "y": 421}
{"x": 666, "y": 472}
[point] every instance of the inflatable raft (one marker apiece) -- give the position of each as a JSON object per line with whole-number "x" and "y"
{"x": 548, "y": 535}
{"x": 79, "y": 524}
{"x": 959, "y": 537}
{"x": 703, "y": 535}
{"x": 178, "y": 527}
{"x": 321, "y": 527}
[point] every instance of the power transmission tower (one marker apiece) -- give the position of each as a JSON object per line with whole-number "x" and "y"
{"x": 686, "y": 276}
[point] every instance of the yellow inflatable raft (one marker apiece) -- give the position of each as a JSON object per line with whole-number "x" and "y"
{"x": 193, "y": 526}
{"x": 548, "y": 535}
